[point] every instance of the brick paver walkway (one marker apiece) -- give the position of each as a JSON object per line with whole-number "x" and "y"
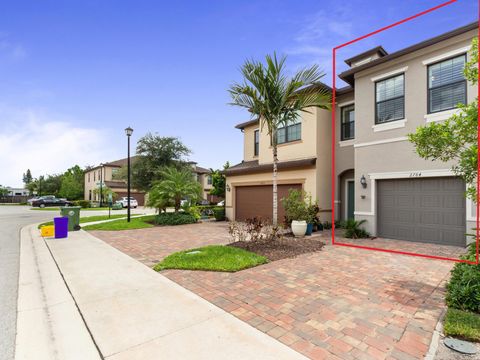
{"x": 340, "y": 303}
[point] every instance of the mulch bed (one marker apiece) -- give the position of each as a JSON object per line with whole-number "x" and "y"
{"x": 284, "y": 248}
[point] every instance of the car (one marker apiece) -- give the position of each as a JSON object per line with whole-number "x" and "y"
{"x": 124, "y": 202}
{"x": 50, "y": 200}
{"x": 221, "y": 203}
{"x": 31, "y": 200}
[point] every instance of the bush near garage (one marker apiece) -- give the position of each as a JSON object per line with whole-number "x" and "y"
{"x": 219, "y": 213}
{"x": 84, "y": 204}
{"x": 463, "y": 289}
{"x": 180, "y": 218}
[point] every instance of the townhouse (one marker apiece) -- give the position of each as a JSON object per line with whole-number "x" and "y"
{"x": 378, "y": 176}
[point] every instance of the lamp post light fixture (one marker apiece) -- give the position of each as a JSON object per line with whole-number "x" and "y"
{"x": 363, "y": 182}
{"x": 128, "y": 132}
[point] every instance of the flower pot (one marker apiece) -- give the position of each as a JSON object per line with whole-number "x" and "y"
{"x": 299, "y": 228}
{"x": 309, "y": 229}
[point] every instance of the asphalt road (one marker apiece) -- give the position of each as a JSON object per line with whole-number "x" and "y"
{"x": 12, "y": 219}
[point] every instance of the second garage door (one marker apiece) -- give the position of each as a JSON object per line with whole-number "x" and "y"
{"x": 428, "y": 210}
{"x": 257, "y": 201}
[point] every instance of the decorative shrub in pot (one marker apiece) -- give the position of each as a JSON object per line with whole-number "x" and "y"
{"x": 299, "y": 227}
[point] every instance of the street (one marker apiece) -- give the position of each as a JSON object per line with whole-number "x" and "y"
{"x": 12, "y": 219}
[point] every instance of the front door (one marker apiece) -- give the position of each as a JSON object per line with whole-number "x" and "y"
{"x": 350, "y": 199}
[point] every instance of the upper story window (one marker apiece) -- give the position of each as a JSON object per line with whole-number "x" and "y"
{"x": 291, "y": 132}
{"x": 348, "y": 122}
{"x": 447, "y": 86}
{"x": 256, "y": 142}
{"x": 209, "y": 179}
{"x": 94, "y": 176}
{"x": 390, "y": 99}
{"x": 88, "y": 177}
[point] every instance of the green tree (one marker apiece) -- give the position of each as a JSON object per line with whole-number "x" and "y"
{"x": 27, "y": 177}
{"x": 219, "y": 181}
{"x": 3, "y": 191}
{"x": 177, "y": 184}
{"x": 269, "y": 94}
{"x": 456, "y": 138}
{"x": 154, "y": 154}
{"x": 72, "y": 184}
{"x": 106, "y": 191}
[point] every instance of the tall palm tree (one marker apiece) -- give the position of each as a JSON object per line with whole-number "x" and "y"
{"x": 177, "y": 185}
{"x": 269, "y": 94}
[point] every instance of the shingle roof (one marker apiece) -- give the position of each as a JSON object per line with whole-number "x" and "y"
{"x": 376, "y": 50}
{"x": 249, "y": 167}
{"x": 243, "y": 125}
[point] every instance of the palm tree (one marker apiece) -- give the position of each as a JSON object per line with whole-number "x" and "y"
{"x": 177, "y": 185}
{"x": 267, "y": 93}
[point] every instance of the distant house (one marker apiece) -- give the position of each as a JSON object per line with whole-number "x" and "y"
{"x": 204, "y": 177}
{"x": 105, "y": 173}
{"x": 17, "y": 192}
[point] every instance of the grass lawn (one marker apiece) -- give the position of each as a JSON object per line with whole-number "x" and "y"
{"x": 135, "y": 223}
{"x": 462, "y": 324}
{"x": 88, "y": 219}
{"x": 211, "y": 258}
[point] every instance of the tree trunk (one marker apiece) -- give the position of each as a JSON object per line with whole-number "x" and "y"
{"x": 275, "y": 193}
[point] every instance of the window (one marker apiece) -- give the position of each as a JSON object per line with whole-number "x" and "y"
{"x": 88, "y": 177}
{"x": 256, "y": 142}
{"x": 390, "y": 99}
{"x": 348, "y": 122}
{"x": 94, "y": 176}
{"x": 446, "y": 84}
{"x": 291, "y": 132}
{"x": 209, "y": 179}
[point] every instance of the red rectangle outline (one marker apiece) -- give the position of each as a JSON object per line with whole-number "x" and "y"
{"x": 333, "y": 179}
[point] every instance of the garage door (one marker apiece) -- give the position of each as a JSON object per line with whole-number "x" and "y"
{"x": 428, "y": 210}
{"x": 257, "y": 201}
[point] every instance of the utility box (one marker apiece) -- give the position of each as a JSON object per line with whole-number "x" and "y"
{"x": 73, "y": 214}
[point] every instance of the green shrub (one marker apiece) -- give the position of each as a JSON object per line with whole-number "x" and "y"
{"x": 219, "y": 213}
{"x": 463, "y": 289}
{"x": 340, "y": 224}
{"x": 180, "y": 218}
{"x": 194, "y": 211}
{"x": 327, "y": 225}
{"x": 84, "y": 204}
{"x": 295, "y": 206}
{"x": 354, "y": 231}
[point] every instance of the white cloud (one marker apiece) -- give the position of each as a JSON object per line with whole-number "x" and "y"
{"x": 46, "y": 144}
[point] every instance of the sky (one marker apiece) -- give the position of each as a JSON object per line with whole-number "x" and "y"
{"x": 75, "y": 73}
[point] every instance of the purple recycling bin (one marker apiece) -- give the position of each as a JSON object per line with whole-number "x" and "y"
{"x": 61, "y": 227}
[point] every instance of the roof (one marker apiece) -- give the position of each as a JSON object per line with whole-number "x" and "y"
{"x": 201, "y": 170}
{"x": 250, "y": 167}
{"x": 116, "y": 163}
{"x": 116, "y": 184}
{"x": 243, "y": 125}
{"x": 376, "y": 50}
{"x": 348, "y": 75}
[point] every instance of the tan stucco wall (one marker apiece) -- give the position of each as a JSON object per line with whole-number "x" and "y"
{"x": 91, "y": 185}
{"x": 307, "y": 177}
{"x": 248, "y": 142}
{"x": 324, "y": 161}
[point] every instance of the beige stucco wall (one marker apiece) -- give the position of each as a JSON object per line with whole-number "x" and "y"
{"x": 106, "y": 175}
{"x": 307, "y": 177}
{"x": 248, "y": 142}
{"x": 324, "y": 161}
{"x": 396, "y": 154}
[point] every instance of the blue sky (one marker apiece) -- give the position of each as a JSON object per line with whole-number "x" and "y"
{"x": 74, "y": 74}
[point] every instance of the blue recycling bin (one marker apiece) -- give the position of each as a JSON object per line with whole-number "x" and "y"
{"x": 61, "y": 227}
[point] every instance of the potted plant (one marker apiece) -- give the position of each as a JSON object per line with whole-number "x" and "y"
{"x": 296, "y": 212}
{"x": 312, "y": 210}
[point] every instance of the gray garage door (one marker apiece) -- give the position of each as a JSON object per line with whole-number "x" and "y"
{"x": 428, "y": 210}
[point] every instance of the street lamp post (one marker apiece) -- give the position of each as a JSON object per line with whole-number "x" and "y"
{"x": 128, "y": 132}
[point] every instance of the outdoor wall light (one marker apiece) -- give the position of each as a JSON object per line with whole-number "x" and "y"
{"x": 228, "y": 188}
{"x": 363, "y": 182}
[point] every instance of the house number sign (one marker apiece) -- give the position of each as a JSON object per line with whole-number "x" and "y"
{"x": 415, "y": 174}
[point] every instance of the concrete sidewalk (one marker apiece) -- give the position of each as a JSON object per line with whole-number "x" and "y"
{"x": 134, "y": 313}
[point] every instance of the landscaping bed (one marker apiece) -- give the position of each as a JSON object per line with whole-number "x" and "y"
{"x": 282, "y": 248}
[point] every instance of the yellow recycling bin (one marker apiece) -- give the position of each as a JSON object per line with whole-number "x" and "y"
{"x": 47, "y": 231}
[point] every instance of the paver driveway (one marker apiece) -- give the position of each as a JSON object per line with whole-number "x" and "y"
{"x": 338, "y": 303}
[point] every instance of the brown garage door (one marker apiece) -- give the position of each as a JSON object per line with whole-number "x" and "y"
{"x": 428, "y": 210}
{"x": 257, "y": 201}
